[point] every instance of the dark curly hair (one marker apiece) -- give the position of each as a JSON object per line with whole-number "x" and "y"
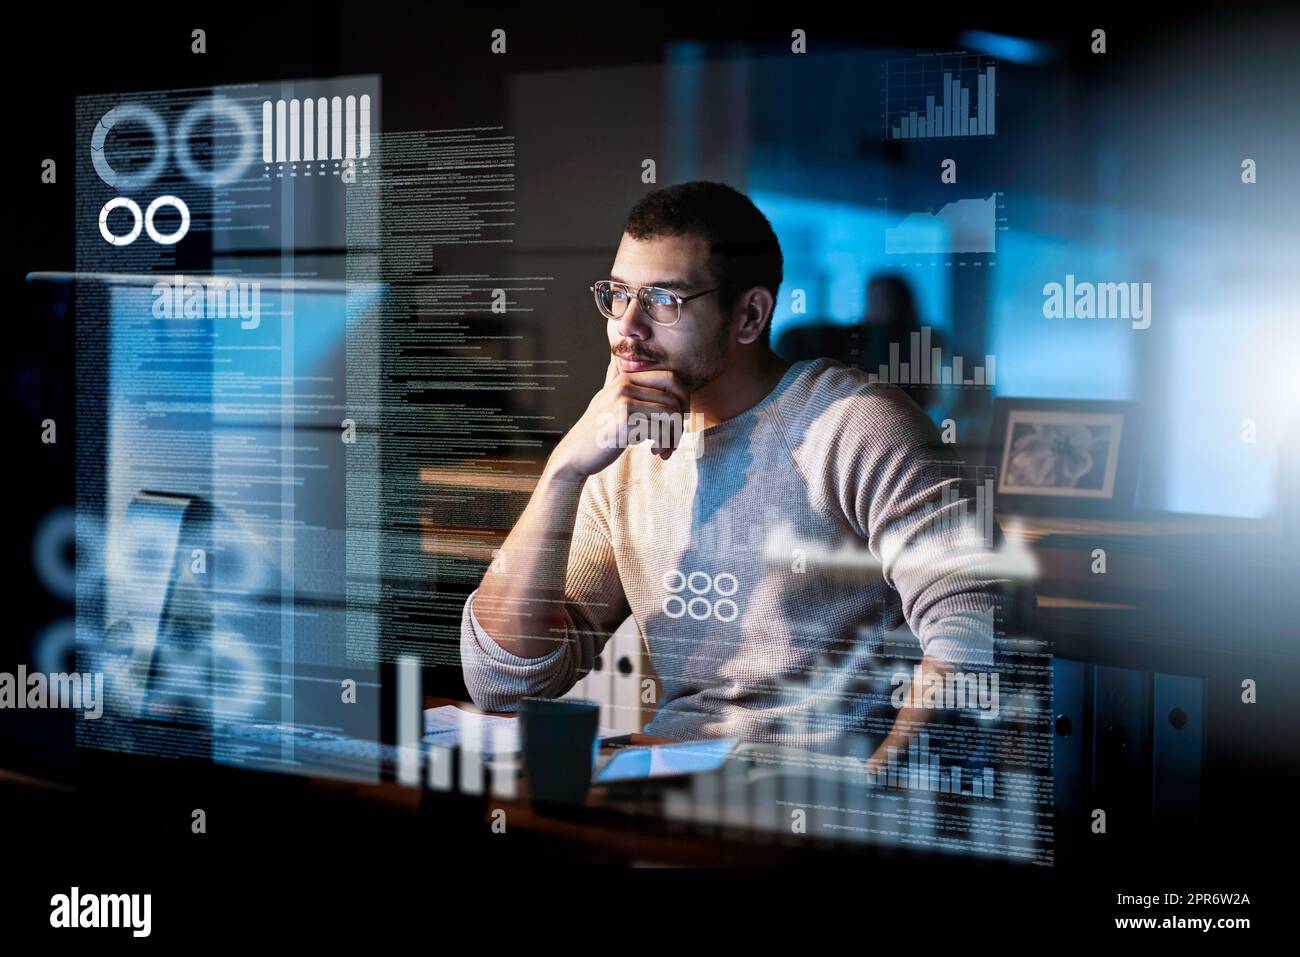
{"x": 743, "y": 249}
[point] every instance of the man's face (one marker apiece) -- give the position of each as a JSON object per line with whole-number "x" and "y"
{"x": 697, "y": 346}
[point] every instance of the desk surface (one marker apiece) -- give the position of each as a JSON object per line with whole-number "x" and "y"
{"x": 608, "y": 829}
{"x": 622, "y": 827}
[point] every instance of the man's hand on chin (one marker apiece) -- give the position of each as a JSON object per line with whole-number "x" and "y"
{"x": 627, "y": 403}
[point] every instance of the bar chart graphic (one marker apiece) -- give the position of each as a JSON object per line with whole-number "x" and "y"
{"x": 316, "y": 129}
{"x": 940, "y": 97}
{"x": 923, "y": 772}
{"x": 925, "y": 366}
{"x": 956, "y": 227}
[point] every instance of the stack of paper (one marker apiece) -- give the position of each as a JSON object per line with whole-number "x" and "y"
{"x": 452, "y": 727}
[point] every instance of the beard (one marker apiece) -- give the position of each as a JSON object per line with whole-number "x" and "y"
{"x": 707, "y": 363}
{"x": 696, "y": 370}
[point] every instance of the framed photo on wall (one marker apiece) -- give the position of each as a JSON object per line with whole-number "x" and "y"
{"x": 1065, "y": 457}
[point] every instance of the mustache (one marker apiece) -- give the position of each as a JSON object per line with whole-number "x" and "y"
{"x": 635, "y": 354}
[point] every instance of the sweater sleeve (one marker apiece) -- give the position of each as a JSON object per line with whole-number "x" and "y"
{"x": 879, "y": 462}
{"x": 594, "y": 606}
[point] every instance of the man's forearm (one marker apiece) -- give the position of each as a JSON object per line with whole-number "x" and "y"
{"x": 520, "y": 603}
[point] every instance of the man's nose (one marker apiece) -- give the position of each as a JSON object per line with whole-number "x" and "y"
{"x": 633, "y": 324}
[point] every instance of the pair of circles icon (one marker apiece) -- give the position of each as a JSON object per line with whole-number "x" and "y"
{"x": 177, "y": 146}
{"x": 144, "y": 220}
{"x": 698, "y": 585}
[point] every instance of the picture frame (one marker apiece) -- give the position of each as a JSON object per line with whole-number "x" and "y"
{"x": 1065, "y": 457}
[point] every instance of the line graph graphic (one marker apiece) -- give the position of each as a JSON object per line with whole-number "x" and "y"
{"x": 967, "y": 225}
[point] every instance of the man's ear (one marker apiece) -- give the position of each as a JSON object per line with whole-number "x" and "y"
{"x": 755, "y": 309}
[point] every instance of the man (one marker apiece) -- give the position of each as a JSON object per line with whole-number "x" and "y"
{"x": 764, "y": 549}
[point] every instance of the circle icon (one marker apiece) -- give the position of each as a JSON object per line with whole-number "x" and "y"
{"x": 56, "y": 646}
{"x": 117, "y": 116}
{"x": 217, "y": 106}
{"x": 53, "y": 551}
{"x": 172, "y": 238}
{"x": 699, "y": 589}
{"x": 121, "y": 202}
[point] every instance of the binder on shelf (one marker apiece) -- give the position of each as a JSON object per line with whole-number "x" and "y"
{"x": 1121, "y": 750}
{"x": 1177, "y": 750}
{"x": 1071, "y": 746}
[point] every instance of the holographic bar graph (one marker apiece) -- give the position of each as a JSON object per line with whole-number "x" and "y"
{"x": 954, "y": 513}
{"x": 925, "y": 366}
{"x": 316, "y": 130}
{"x": 951, "y": 107}
{"x": 440, "y": 762}
{"x": 408, "y": 720}
{"x": 923, "y": 772}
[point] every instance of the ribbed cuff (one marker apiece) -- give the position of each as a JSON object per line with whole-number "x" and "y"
{"x": 966, "y": 651}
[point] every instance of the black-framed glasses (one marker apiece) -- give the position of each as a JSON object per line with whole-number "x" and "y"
{"x": 663, "y": 306}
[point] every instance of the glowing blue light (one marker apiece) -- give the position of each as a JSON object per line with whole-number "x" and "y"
{"x": 1015, "y": 49}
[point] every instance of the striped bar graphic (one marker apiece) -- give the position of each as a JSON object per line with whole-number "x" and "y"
{"x": 316, "y": 130}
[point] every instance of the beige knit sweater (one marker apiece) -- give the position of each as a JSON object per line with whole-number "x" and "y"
{"x": 764, "y": 561}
